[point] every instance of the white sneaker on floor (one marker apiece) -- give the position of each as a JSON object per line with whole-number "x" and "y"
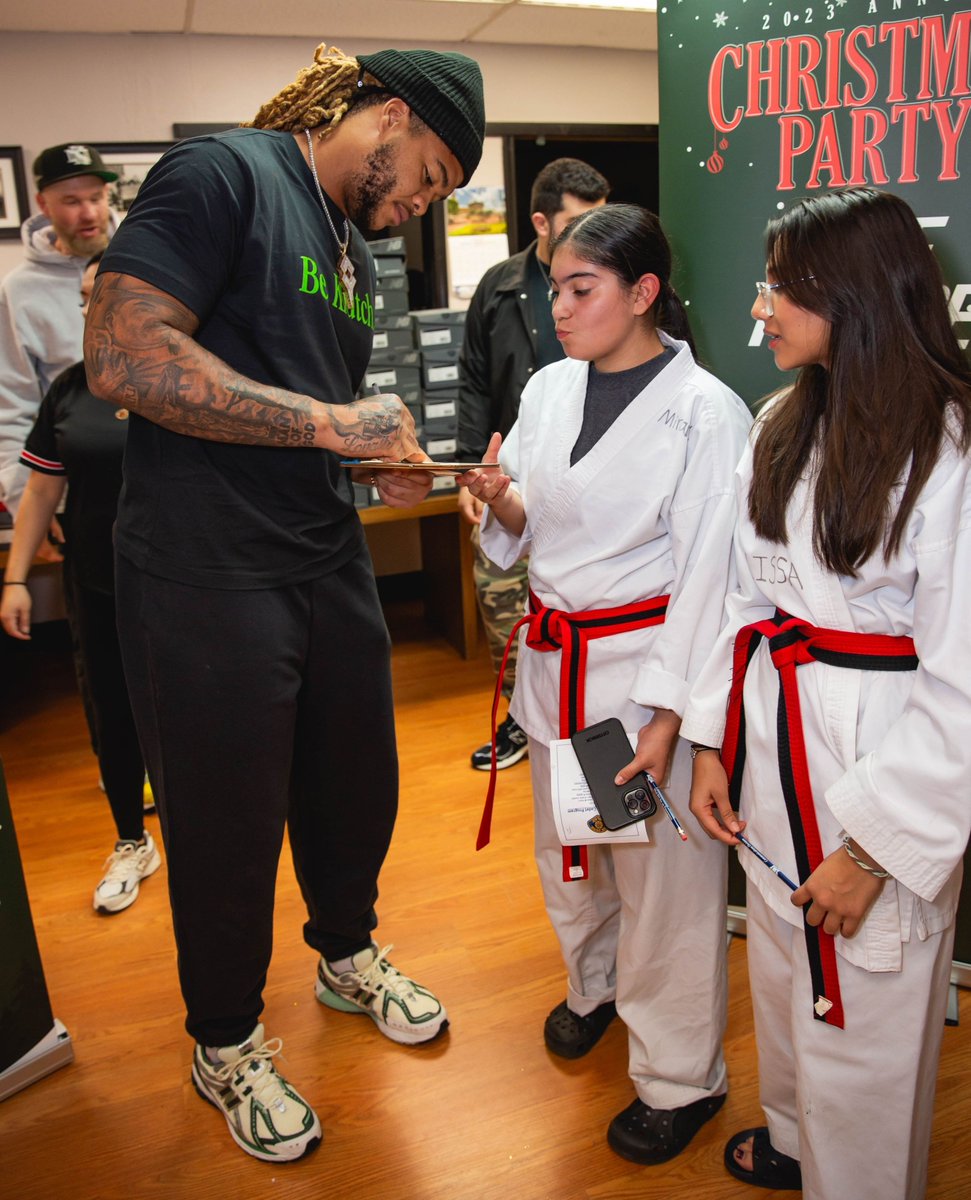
{"x": 265, "y": 1115}
{"x": 403, "y": 1010}
{"x": 125, "y": 869}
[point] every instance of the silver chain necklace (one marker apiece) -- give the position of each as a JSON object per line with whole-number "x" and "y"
{"x": 345, "y": 268}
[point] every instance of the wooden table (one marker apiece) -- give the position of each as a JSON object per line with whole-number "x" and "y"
{"x": 446, "y": 559}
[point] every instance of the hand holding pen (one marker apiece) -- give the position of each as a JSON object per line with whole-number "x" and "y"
{"x": 711, "y": 805}
{"x": 768, "y": 861}
{"x": 660, "y": 796}
{"x": 652, "y": 783}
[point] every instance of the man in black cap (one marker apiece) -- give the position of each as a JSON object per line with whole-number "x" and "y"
{"x": 40, "y": 318}
{"x": 233, "y": 318}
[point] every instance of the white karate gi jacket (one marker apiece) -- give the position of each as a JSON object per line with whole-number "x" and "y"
{"x": 889, "y": 753}
{"x": 648, "y": 511}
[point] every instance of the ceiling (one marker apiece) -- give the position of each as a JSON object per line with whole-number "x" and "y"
{"x": 504, "y": 22}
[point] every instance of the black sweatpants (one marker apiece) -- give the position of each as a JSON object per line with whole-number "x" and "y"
{"x": 259, "y": 710}
{"x": 109, "y": 712}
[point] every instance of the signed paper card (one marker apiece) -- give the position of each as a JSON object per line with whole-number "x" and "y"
{"x": 573, "y": 806}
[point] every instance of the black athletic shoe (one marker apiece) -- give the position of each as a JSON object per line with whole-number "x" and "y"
{"x": 511, "y": 746}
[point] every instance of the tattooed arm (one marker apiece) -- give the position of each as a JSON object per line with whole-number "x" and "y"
{"x": 140, "y": 354}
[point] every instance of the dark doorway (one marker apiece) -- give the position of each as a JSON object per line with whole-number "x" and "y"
{"x": 626, "y": 155}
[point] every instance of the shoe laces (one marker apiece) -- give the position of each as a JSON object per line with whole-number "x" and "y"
{"x": 379, "y": 973}
{"x": 255, "y": 1073}
{"x": 119, "y": 863}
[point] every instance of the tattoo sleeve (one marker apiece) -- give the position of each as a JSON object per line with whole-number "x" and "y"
{"x": 140, "y": 354}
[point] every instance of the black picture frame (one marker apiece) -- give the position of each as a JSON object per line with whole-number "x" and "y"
{"x": 132, "y": 161}
{"x": 14, "y": 200}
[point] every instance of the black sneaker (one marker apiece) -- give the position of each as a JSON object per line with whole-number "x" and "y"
{"x": 511, "y": 746}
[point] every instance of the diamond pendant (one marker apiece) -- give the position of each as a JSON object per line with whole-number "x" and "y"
{"x": 347, "y": 276}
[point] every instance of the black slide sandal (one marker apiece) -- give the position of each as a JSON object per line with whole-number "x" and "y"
{"x": 770, "y": 1168}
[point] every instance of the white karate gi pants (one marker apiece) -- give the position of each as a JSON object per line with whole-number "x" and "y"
{"x": 648, "y": 928}
{"x": 854, "y": 1105}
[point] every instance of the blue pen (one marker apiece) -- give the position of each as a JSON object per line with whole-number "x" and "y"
{"x": 652, "y": 783}
{"x": 768, "y": 861}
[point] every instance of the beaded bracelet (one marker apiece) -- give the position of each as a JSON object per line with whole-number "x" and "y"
{"x": 875, "y": 871}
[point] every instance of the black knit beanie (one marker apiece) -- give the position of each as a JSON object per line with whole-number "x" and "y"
{"x": 444, "y": 89}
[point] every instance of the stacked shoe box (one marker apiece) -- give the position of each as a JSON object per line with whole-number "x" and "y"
{"x": 395, "y": 364}
{"x": 438, "y": 336}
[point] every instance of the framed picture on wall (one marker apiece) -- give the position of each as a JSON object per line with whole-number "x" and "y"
{"x": 14, "y": 202}
{"x": 132, "y": 161}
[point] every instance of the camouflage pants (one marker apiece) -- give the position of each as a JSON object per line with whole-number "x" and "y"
{"x": 502, "y": 597}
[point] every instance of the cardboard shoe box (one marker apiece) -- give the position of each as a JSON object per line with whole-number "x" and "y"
{"x": 386, "y": 266}
{"x": 440, "y": 418}
{"x": 401, "y": 381}
{"x": 388, "y": 245}
{"x": 439, "y": 327}
{"x": 440, "y": 368}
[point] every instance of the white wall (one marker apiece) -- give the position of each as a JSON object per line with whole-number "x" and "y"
{"x": 132, "y": 88}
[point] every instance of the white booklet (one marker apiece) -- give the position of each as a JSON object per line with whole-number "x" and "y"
{"x": 573, "y": 806}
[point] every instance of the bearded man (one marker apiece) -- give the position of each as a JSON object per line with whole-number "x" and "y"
{"x": 233, "y": 319}
{"x": 41, "y": 327}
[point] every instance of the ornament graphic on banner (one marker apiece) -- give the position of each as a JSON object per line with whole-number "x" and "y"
{"x": 715, "y": 161}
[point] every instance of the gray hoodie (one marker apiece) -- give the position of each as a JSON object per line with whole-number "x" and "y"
{"x": 41, "y": 333}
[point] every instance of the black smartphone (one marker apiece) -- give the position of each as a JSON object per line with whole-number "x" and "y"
{"x": 602, "y": 750}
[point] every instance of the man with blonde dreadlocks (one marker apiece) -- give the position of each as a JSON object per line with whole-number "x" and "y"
{"x": 233, "y": 319}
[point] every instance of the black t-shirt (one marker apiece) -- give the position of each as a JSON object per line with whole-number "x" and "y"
{"x": 231, "y": 225}
{"x": 83, "y": 438}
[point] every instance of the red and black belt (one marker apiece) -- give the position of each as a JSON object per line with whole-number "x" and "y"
{"x": 548, "y": 630}
{"x": 793, "y": 643}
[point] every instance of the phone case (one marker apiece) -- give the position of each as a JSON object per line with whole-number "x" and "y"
{"x": 602, "y": 749}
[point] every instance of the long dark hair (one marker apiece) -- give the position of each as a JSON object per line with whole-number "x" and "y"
{"x": 629, "y": 241}
{"x": 876, "y": 416}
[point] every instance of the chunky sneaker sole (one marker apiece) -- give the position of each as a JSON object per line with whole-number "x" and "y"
{"x": 125, "y": 869}
{"x": 512, "y": 745}
{"x": 403, "y": 1010}
{"x": 266, "y": 1116}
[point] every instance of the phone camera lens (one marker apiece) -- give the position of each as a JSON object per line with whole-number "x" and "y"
{"x": 636, "y": 801}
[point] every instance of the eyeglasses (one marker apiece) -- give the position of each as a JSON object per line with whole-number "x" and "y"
{"x": 765, "y": 291}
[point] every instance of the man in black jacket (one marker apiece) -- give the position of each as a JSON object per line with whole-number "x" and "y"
{"x": 509, "y": 334}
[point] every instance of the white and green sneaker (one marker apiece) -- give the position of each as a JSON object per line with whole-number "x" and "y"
{"x": 402, "y": 1009}
{"x": 125, "y": 868}
{"x": 266, "y": 1117}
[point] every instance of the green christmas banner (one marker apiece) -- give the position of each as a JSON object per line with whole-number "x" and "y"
{"x": 763, "y": 102}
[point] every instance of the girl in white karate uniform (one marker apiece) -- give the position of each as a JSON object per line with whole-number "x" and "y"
{"x": 617, "y": 479}
{"x": 853, "y": 549}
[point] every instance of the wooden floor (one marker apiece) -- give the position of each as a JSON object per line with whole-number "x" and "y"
{"x": 485, "y": 1113}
